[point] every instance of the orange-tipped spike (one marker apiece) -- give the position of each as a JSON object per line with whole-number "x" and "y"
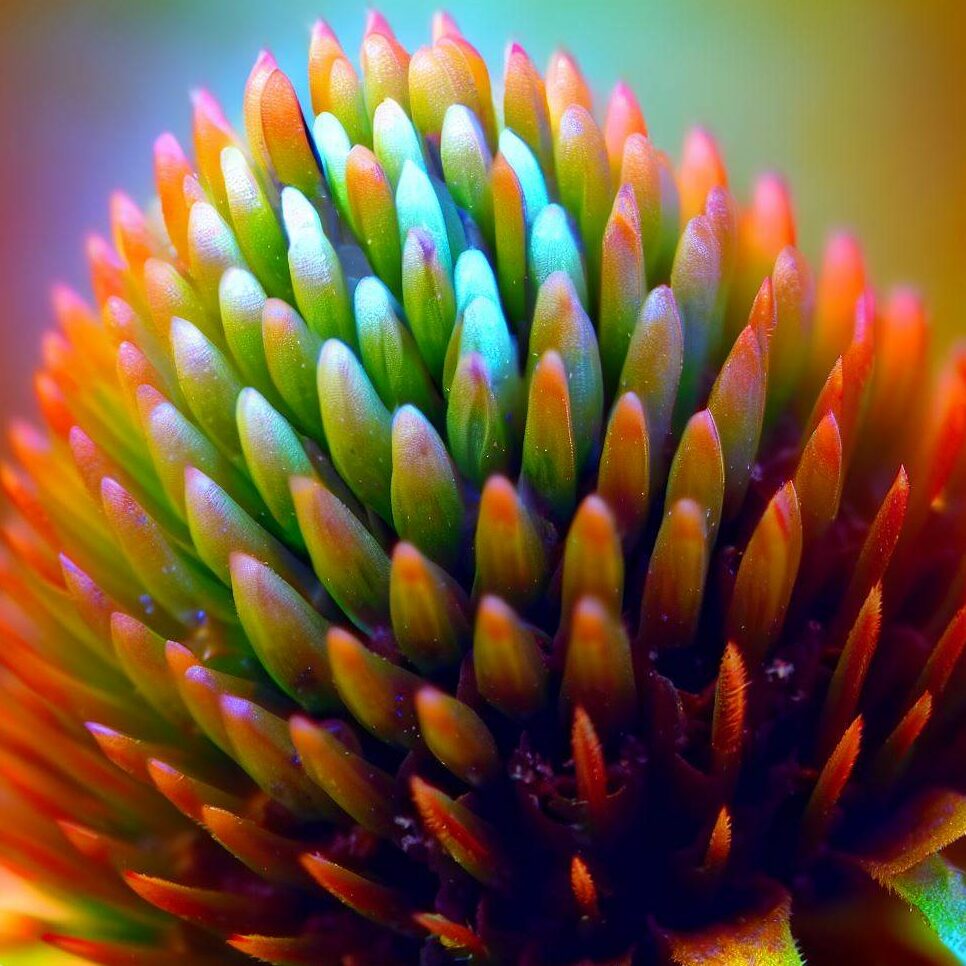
{"x": 598, "y": 673}
{"x": 701, "y": 170}
{"x": 719, "y": 846}
{"x": 452, "y": 935}
{"x": 730, "y": 709}
{"x": 590, "y": 768}
{"x": 898, "y": 747}
{"x": 464, "y": 836}
{"x": 850, "y": 672}
{"x": 818, "y": 478}
{"x": 584, "y": 888}
{"x": 828, "y": 789}
{"x": 766, "y": 576}
{"x": 370, "y": 899}
{"x": 624, "y": 118}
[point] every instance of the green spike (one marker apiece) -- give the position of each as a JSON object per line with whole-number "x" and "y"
{"x": 317, "y": 277}
{"x": 428, "y": 298}
{"x": 388, "y": 351}
{"x": 260, "y": 743}
{"x": 241, "y": 300}
{"x": 698, "y": 471}
{"x": 553, "y": 248}
{"x": 428, "y": 610}
{"x": 184, "y": 590}
{"x": 212, "y": 250}
{"x": 292, "y": 352}
{"x": 624, "y": 476}
{"x": 622, "y": 284}
{"x": 209, "y": 384}
{"x": 285, "y": 632}
{"x": 365, "y": 793}
{"x": 509, "y": 668}
{"x": 357, "y": 425}
{"x": 378, "y": 694}
{"x": 273, "y": 455}
{"x": 427, "y": 507}
{"x": 175, "y": 444}
{"x": 219, "y": 527}
{"x": 457, "y": 736}
{"x": 466, "y": 160}
{"x": 474, "y": 424}
{"x": 598, "y": 675}
{"x": 548, "y": 442}
{"x": 560, "y": 323}
{"x": 256, "y": 225}
{"x": 652, "y": 369}
{"x": 141, "y": 653}
{"x": 347, "y": 559}
{"x": 510, "y": 556}
{"x": 695, "y": 282}
{"x": 593, "y": 563}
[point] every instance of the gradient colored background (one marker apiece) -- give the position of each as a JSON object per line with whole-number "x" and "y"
{"x": 861, "y": 103}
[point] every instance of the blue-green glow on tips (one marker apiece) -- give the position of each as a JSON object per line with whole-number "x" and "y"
{"x": 553, "y": 248}
{"x": 333, "y": 145}
{"x": 527, "y": 169}
{"x": 389, "y": 353}
{"x": 417, "y": 206}
{"x": 474, "y": 276}
{"x": 395, "y": 141}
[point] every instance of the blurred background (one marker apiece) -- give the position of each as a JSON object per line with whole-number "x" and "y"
{"x": 861, "y": 103}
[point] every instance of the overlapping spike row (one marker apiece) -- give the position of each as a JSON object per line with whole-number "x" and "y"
{"x": 459, "y": 534}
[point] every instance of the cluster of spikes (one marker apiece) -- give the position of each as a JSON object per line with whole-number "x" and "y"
{"x": 472, "y": 540}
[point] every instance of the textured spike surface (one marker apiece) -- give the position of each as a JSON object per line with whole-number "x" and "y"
{"x": 455, "y": 542}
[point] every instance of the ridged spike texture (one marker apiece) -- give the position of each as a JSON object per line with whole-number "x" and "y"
{"x": 455, "y": 542}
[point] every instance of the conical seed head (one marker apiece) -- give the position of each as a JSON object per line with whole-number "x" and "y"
{"x": 462, "y": 540}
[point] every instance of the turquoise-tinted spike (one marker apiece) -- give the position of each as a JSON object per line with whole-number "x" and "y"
{"x": 288, "y": 635}
{"x": 395, "y": 141}
{"x": 652, "y": 369}
{"x": 561, "y": 324}
{"x": 695, "y": 281}
{"x": 220, "y": 527}
{"x": 358, "y": 427}
{"x": 333, "y": 145}
{"x": 527, "y": 169}
{"x": 466, "y": 159}
{"x": 273, "y": 454}
{"x": 553, "y": 248}
{"x": 212, "y": 250}
{"x": 389, "y": 353}
{"x": 475, "y": 426}
{"x": 457, "y": 232}
{"x": 427, "y": 508}
{"x": 428, "y": 298}
{"x": 241, "y": 300}
{"x": 484, "y": 332}
{"x": 418, "y": 207}
{"x": 292, "y": 353}
{"x": 256, "y": 226}
{"x": 209, "y": 384}
{"x": 317, "y": 277}
{"x": 352, "y": 566}
{"x": 472, "y": 277}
